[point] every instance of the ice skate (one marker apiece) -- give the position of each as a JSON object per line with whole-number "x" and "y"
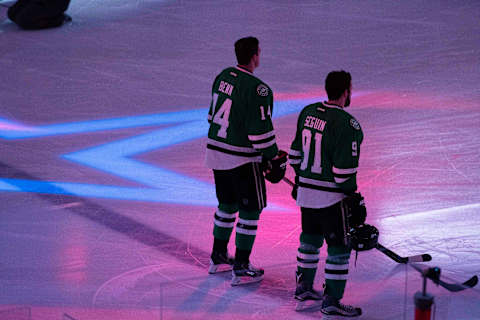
{"x": 220, "y": 262}
{"x": 246, "y": 273}
{"x": 333, "y": 307}
{"x": 307, "y": 297}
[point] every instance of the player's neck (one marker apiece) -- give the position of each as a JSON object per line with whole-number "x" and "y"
{"x": 248, "y": 67}
{"x": 338, "y": 103}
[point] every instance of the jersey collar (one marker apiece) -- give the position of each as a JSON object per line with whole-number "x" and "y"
{"x": 243, "y": 69}
{"x": 247, "y": 72}
{"x": 325, "y": 103}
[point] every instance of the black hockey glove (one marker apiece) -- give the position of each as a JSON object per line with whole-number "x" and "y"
{"x": 354, "y": 205}
{"x": 275, "y": 168}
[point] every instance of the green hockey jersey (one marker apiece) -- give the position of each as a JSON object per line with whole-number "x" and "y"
{"x": 325, "y": 154}
{"x": 240, "y": 118}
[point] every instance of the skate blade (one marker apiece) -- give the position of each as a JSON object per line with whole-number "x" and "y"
{"x": 212, "y": 269}
{"x": 308, "y": 305}
{"x": 238, "y": 281}
{"x": 334, "y": 315}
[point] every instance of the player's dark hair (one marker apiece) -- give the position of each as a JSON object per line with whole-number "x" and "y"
{"x": 336, "y": 83}
{"x": 245, "y": 48}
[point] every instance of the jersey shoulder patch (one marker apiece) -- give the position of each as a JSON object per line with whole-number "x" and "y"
{"x": 354, "y": 123}
{"x": 262, "y": 90}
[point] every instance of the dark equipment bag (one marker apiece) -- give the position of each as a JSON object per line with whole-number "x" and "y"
{"x": 39, "y": 14}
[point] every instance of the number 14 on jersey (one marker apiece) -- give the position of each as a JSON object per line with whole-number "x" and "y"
{"x": 221, "y": 116}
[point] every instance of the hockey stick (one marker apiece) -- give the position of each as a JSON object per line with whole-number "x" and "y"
{"x": 434, "y": 275}
{"x": 395, "y": 257}
{"x": 392, "y": 255}
{"x": 290, "y": 182}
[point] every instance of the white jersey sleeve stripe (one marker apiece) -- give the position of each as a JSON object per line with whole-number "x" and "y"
{"x": 264, "y": 145}
{"x": 261, "y": 136}
{"x": 294, "y": 161}
{"x": 230, "y": 147}
{"x": 341, "y": 180}
{"x": 318, "y": 182}
{"x": 293, "y": 152}
{"x": 344, "y": 171}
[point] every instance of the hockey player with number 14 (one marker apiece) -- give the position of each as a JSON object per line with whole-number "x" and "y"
{"x": 324, "y": 155}
{"x": 241, "y": 145}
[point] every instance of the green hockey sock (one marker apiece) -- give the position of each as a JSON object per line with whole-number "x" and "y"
{"x": 336, "y": 271}
{"x": 224, "y": 221}
{"x": 246, "y": 229}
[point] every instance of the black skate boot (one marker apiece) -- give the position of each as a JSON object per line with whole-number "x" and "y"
{"x": 307, "y": 297}
{"x": 332, "y": 306}
{"x": 246, "y": 273}
{"x": 220, "y": 262}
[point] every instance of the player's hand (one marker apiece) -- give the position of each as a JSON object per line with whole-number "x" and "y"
{"x": 275, "y": 168}
{"x": 356, "y": 210}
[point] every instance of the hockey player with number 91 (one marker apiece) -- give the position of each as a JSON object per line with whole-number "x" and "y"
{"x": 324, "y": 155}
{"x": 241, "y": 147}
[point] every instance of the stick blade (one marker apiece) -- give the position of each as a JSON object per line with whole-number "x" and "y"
{"x": 420, "y": 258}
{"x": 456, "y": 287}
{"x": 426, "y": 257}
{"x": 472, "y": 282}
